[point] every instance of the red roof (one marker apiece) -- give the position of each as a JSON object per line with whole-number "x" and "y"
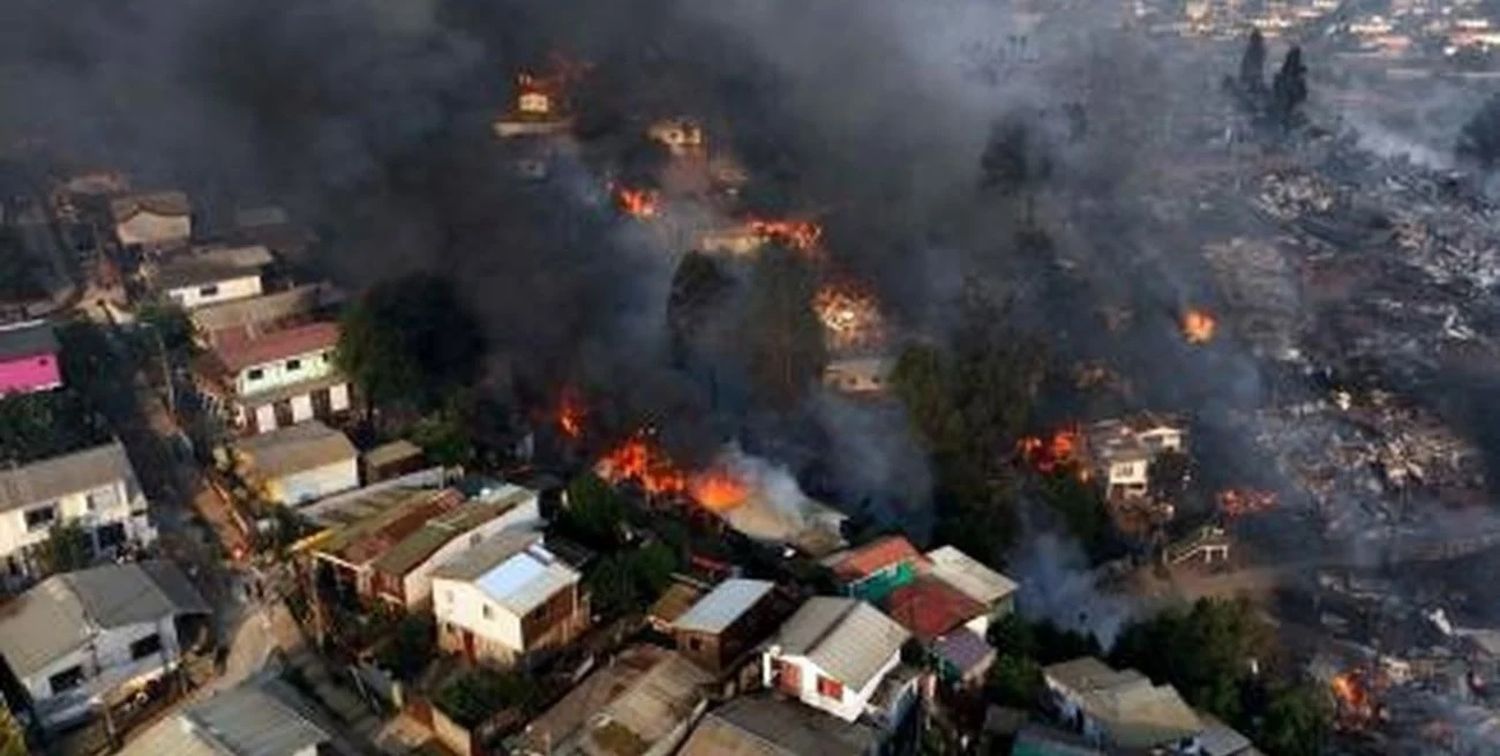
{"x": 875, "y": 556}
{"x": 238, "y": 354}
{"x": 930, "y": 608}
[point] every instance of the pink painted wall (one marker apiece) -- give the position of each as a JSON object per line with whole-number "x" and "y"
{"x": 24, "y": 375}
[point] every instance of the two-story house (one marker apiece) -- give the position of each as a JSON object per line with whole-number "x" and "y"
{"x": 833, "y": 654}
{"x": 95, "y": 488}
{"x": 507, "y": 600}
{"x": 1121, "y": 451}
{"x": 298, "y": 464}
{"x": 80, "y": 638}
{"x": 28, "y": 358}
{"x": 212, "y": 276}
{"x": 152, "y": 221}
{"x": 276, "y": 379}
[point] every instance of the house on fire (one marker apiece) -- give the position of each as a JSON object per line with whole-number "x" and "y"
{"x": 1121, "y": 451}
{"x": 273, "y": 380}
{"x": 29, "y": 358}
{"x": 82, "y": 639}
{"x": 507, "y": 600}
{"x": 152, "y": 221}
{"x": 682, "y": 137}
{"x": 842, "y": 656}
{"x": 212, "y": 276}
{"x": 95, "y": 488}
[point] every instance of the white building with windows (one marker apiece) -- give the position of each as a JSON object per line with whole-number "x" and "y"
{"x": 82, "y": 639}
{"x": 1121, "y": 451}
{"x": 276, "y": 379}
{"x": 212, "y": 276}
{"x": 95, "y": 488}
{"x": 506, "y": 599}
{"x": 834, "y": 654}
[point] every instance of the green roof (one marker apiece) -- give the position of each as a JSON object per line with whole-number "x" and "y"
{"x": 416, "y": 548}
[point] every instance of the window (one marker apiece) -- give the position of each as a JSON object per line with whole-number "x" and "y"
{"x": 66, "y": 680}
{"x": 41, "y": 518}
{"x": 294, "y": 364}
{"x": 695, "y": 644}
{"x": 328, "y": 357}
{"x": 255, "y": 374}
{"x": 101, "y": 499}
{"x": 208, "y": 291}
{"x": 487, "y": 613}
{"x": 830, "y": 688}
{"x": 146, "y": 646}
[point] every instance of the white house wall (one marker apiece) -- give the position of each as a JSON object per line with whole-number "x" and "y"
{"x": 243, "y": 287}
{"x": 849, "y": 707}
{"x": 279, "y": 373}
{"x": 120, "y": 502}
{"x": 462, "y": 604}
{"x": 309, "y": 485}
{"x": 107, "y": 666}
{"x": 417, "y": 585}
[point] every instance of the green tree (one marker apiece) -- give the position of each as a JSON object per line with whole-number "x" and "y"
{"x": 1168, "y": 475}
{"x": 1296, "y": 722}
{"x": 1212, "y": 643}
{"x": 410, "y": 648}
{"x": 68, "y": 547}
{"x": 782, "y": 334}
{"x": 445, "y": 434}
{"x": 626, "y": 581}
{"x": 12, "y": 737}
{"x": 48, "y": 424}
{"x": 409, "y": 343}
{"x": 594, "y": 512}
{"x": 482, "y": 693}
{"x": 170, "y": 322}
{"x": 1014, "y": 681}
{"x": 1080, "y": 506}
{"x": 1480, "y": 138}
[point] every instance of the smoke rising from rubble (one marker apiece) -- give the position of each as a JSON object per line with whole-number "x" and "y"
{"x": 1057, "y": 585}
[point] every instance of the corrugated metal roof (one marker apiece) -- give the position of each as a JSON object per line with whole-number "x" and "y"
{"x": 63, "y": 612}
{"x": 419, "y": 546}
{"x": 29, "y": 339}
{"x": 969, "y": 575}
{"x": 848, "y": 639}
{"x": 723, "y": 605}
{"x": 652, "y": 707}
{"x": 50, "y": 479}
{"x": 259, "y": 717}
{"x": 763, "y": 725}
{"x": 293, "y": 449}
{"x": 512, "y": 568}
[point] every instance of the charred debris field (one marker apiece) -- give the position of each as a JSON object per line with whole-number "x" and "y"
{"x": 1134, "y": 366}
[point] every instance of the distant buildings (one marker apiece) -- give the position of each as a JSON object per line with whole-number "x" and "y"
{"x": 80, "y": 638}
{"x": 94, "y": 488}
{"x": 152, "y": 221}
{"x": 29, "y": 358}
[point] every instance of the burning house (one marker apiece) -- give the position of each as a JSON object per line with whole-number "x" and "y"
{"x": 682, "y": 137}
{"x": 1121, "y": 451}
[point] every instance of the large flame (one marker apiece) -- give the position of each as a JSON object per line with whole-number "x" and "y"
{"x": 1061, "y": 450}
{"x": 850, "y": 314}
{"x": 643, "y": 204}
{"x": 718, "y": 489}
{"x": 1198, "y": 326}
{"x": 802, "y": 236}
{"x": 640, "y": 460}
{"x": 1238, "y": 502}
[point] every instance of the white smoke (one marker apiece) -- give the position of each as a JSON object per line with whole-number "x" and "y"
{"x": 1057, "y": 585}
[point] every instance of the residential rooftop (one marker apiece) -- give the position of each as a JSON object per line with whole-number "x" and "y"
{"x": 278, "y": 345}
{"x": 32, "y": 338}
{"x": 727, "y": 602}
{"x": 514, "y": 569}
{"x": 848, "y": 639}
{"x": 50, "y": 479}
{"x": 863, "y": 561}
{"x": 765, "y": 725}
{"x": 294, "y": 449}
{"x": 969, "y": 575}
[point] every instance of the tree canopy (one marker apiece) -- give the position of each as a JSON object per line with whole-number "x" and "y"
{"x": 409, "y": 342}
{"x": 1253, "y": 64}
{"x": 47, "y": 424}
{"x": 782, "y": 334}
{"x": 68, "y": 547}
{"x": 1289, "y": 88}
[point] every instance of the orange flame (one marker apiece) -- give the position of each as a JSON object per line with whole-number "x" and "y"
{"x": 718, "y": 489}
{"x": 570, "y": 414}
{"x": 1238, "y": 502}
{"x": 1048, "y": 455}
{"x": 802, "y": 236}
{"x": 850, "y": 314}
{"x": 1198, "y": 326}
{"x": 640, "y": 460}
{"x": 637, "y": 203}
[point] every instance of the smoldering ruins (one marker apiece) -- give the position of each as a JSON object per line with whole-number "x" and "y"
{"x": 649, "y": 206}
